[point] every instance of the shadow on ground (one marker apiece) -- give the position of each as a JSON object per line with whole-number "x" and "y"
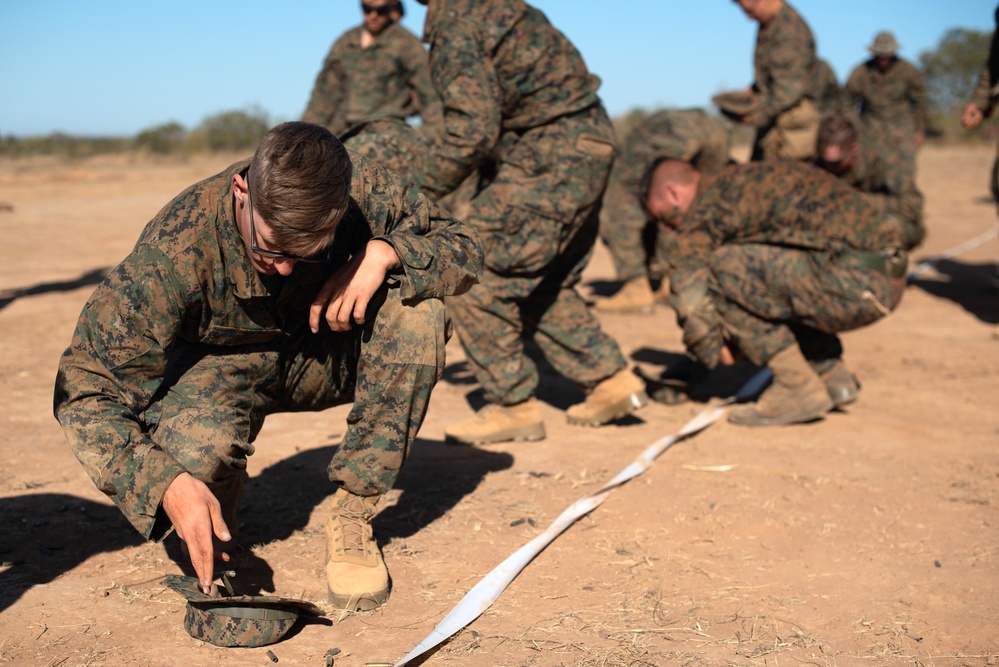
{"x": 282, "y": 498}
{"x": 94, "y": 277}
{"x": 974, "y": 287}
{"x": 46, "y": 535}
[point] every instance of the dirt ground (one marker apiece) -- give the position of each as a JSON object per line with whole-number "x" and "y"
{"x": 870, "y": 538}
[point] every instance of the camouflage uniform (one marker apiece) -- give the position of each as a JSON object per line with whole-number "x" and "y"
{"x": 387, "y": 80}
{"x": 689, "y": 135}
{"x": 884, "y": 174}
{"x": 987, "y": 92}
{"x": 522, "y": 110}
{"x": 777, "y": 252}
{"x": 786, "y": 71}
{"x": 828, "y": 94}
{"x": 893, "y": 104}
{"x": 184, "y": 349}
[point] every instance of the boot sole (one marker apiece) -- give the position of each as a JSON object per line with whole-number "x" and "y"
{"x": 522, "y": 434}
{"x": 751, "y": 418}
{"x": 358, "y": 601}
{"x": 622, "y": 408}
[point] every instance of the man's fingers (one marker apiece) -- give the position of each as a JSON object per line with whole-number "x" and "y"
{"x": 218, "y": 523}
{"x": 202, "y": 558}
{"x": 319, "y": 306}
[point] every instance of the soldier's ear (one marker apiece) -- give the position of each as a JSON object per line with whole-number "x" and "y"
{"x": 239, "y": 188}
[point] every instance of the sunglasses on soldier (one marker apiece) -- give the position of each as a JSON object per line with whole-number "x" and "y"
{"x": 323, "y": 258}
{"x": 383, "y": 10}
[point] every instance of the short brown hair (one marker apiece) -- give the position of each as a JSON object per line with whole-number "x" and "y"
{"x": 300, "y": 175}
{"x": 836, "y": 130}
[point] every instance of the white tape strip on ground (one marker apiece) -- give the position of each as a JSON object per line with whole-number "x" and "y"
{"x": 488, "y": 590}
{"x": 959, "y": 249}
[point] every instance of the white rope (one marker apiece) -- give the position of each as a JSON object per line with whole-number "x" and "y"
{"x": 959, "y": 249}
{"x": 488, "y": 590}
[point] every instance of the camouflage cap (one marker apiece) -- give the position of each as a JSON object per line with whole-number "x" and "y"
{"x": 245, "y": 621}
{"x": 736, "y": 104}
{"x": 884, "y": 44}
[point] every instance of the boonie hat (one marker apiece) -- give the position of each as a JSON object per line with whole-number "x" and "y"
{"x": 246, "y": 621}
{"x": 884, "y": 45}
{"x": 736, "y": 104}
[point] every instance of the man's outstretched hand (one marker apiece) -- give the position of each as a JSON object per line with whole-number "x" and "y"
{"x": 197, "y": 516}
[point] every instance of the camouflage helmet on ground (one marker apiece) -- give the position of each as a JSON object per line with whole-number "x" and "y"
{"x": 246, "y": 621}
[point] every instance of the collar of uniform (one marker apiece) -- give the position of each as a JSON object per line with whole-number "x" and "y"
{"x": 242, "y": 277}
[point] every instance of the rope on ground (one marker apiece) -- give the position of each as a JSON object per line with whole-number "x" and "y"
{"x": 488, "y": 590}
{"x": 959, "y": 249}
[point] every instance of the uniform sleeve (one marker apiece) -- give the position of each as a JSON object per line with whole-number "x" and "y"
{"x": 108, "y": 377}
{"x": 440, "y": 256}
{"x": 327, "y": 96}
{"x": 414, "y": 60}
{"x": 710, "y": 222}
{"x": 787, "y": 71}
{"x": 470, "y": 92}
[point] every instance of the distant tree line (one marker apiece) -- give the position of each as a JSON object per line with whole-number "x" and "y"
{"x": 228, "y": 131}
{"x": 951, "y": 71}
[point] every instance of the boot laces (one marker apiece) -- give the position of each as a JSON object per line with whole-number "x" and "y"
{"x": 353, "y": 520}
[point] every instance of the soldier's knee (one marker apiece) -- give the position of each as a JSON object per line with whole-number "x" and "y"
{"x": 211, "y": 444}
{"x": 414, "y": 332}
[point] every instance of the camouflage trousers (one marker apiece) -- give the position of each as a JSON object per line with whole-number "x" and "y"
{"x": 769, "y": 297}
{"x": 216, "y": 398}
{"x": 537, "y": 219}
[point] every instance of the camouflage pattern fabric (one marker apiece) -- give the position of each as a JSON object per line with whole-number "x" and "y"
{"x": 772, "y": 252}
{"x": 883, "y": 173}
{"x": 786, "y": 70}
{"x": 386, "y": 80}
{"x": 501, "y": 69}
{"x": 246, "y": 621}
{"x": 521, "y": 111}
{"x": 687, "y": 134}
{"x": 987, "y": 92}
{"x": 829, "y": 96}
{"x": 184, "y": 348}
{"x": 893, "y": 103}
{"x": 538, "y": 221}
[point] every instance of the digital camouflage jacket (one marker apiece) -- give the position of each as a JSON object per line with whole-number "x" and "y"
{"x": 189, "y": 280}
{"x": 388, "y": 79}
{"x": 785, "y": 65}
{"x": 895, "y": 102}
{"x": 500, "y": 68}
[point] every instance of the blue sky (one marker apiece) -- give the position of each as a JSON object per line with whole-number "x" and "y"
{"x": 112, "y": 67}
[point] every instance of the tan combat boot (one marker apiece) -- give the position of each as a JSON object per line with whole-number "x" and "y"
{"x": 796, "y": 395}
{"x": 500, "y": 423}
{"x": 617, "y": 396}
{"x": 356, "y": 576}
{"x": 840, "y": 382}
{"x": 635, "y": 296}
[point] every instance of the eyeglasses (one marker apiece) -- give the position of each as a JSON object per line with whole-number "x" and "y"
{"x": 325, "y": 257}
{"x": 382, "y": 10}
